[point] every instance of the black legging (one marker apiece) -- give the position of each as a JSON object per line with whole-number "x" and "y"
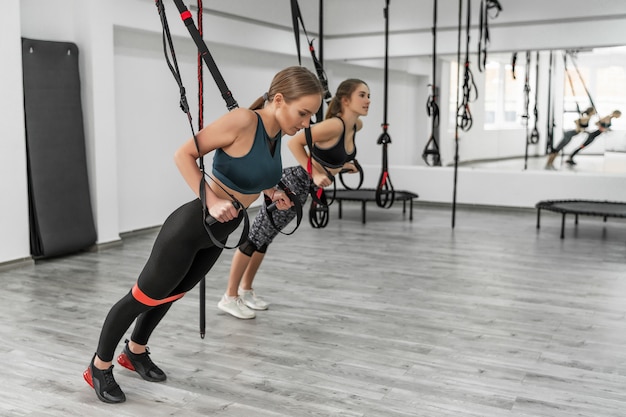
{"x": 592, "y": 136}
{"x": 567, "y": 137}
{"x": 181, "y": 256}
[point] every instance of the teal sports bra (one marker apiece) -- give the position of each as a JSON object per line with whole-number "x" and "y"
{"x": 254, "y": 172}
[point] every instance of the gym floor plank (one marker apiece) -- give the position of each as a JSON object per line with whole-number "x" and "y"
{"x": 388, "y": 319}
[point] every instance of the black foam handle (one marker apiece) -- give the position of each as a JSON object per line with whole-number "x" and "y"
{"x": 210, "y": 220}
{"x": 272, "y": 207}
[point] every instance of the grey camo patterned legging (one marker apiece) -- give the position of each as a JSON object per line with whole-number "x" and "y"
{"x": 262, "y": 233}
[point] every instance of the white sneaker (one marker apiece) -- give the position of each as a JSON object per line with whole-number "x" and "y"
{"x": 253, "y": 301}
{"x": 235, "y": 307}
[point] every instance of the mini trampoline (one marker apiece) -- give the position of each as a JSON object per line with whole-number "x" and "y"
{"x": 369, "y": 194}
{"x": 603, "y": 209}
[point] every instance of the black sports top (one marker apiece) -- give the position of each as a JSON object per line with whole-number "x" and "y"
{"x": 605, "y": 125}
{"x": 254, "y": 172}
{"x": 336, "y": 155}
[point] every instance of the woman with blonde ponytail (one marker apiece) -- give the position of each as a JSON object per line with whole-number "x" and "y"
{"x": 333, "y": 150}
{"x": 246, "y": 163}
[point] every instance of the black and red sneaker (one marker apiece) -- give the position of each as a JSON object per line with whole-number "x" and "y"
{"x": 142, "y": 364}
{"x": 104, "y": 384}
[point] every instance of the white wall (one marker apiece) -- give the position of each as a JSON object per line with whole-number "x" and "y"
{"x": 14, "y": 237}
{"x": 133, "y": 123}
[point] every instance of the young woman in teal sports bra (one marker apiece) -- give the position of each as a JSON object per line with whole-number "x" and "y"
{"x": 247, "y": 162}
{"x": 333, "y": 150}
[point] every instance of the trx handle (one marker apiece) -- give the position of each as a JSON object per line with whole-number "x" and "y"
{"x": 270, "y": 207}
{"x": 319, "y": 203}
{"x": 385, "y": 193}
{"x": 185, "y": 15}
{"x": 210, "y": 221}
{"x": 318, "y": 211}
{"x": 361, "y": 176}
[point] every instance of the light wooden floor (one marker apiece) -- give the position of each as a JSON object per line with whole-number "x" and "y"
{"x": 390, "y": 319}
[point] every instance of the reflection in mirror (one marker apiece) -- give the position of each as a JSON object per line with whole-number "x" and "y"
{"x": 513, "y": 103}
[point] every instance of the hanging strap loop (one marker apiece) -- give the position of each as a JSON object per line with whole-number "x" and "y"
{"x": 385, "y": 194}
{"x": 534, "y": 135}
{"x": 431, "y": 155}
{"x": 359, "y": 169}
{"x": 470, "y": 91}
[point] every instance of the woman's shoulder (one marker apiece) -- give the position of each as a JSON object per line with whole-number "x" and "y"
{"x": 327, "y": 129}
{"x": 238, "y": 119}
{"x": 334, "y": 124}
{"x": 243, "y": 114}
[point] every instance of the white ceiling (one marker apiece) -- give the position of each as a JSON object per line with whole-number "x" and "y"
{"x": 354, "y": 29}
{"x": 345, "y": 18}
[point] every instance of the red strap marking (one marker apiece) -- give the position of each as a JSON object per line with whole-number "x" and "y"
{"x": 185, "y": 15}
{"x": 144, "y": 299}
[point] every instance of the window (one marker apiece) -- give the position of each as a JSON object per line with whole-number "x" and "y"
{"x": 504, "y": 95}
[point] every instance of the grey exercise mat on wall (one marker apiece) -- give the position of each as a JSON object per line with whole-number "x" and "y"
{"x": 61, "y": 218}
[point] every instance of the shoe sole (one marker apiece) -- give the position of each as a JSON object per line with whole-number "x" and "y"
{"x": 234, "y": 315}
{"x": 89, "y": 380}
{"x": 124, "y": 361}
{"x": 255, "y": 307}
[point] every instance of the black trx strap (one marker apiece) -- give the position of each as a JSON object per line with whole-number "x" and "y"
{"x": 203, "y": 54}
{"x": 464, "y": 115}
{"x": 534, "y": 135}
{"x": 185, "y": 15}
{"x": 226, "y": 94}
{"x": 513, "y": 63}
{"x": 456, "y": 125}
{"x": 483, "y": 27}
{"x": 385, "y": 194}
{"x": 582, "y": 80}
{"x": 550, "y": 121}
{"x": 202, "y": 286}
{"x": 532, "y": 138}
{"x": 526, "y": 116}
{"x": 318, "y": 211}
{"x": 571, "y": 83}
{"x": 296, "y": 17}
{"x": 431, "y": 155}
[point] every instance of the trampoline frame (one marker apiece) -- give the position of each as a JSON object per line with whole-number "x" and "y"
{"x": 344, "y": 195}
{"x": 551, "y": 206}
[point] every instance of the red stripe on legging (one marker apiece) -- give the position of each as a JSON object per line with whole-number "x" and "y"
{"x": 144, "y": 299}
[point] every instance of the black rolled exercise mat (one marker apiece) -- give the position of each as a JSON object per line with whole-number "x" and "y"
{"x": 61, "y": 217}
